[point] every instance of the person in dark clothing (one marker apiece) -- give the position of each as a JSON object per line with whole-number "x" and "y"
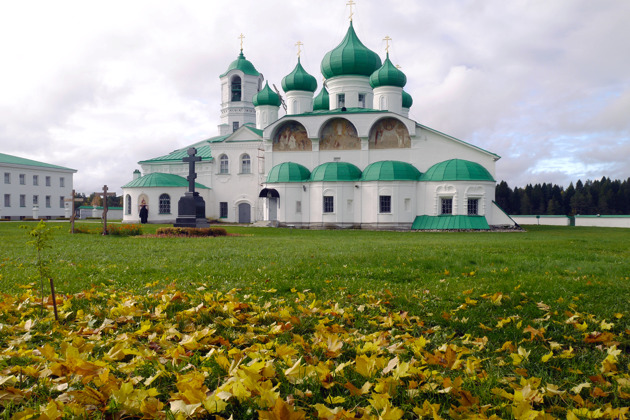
{"x": 144, "y": 214}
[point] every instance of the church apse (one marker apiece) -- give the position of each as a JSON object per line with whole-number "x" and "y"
{"x": 389, "y": 133}
{"x": 291, "y": 137}
{"x": 339, "y": 134}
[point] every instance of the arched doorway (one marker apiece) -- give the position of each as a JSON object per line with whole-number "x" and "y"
{"x": 244, "y": 213}
{"x": 272, "y": 196}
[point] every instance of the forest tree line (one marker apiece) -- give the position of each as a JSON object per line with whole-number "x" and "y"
{"x": 605, "y": 197}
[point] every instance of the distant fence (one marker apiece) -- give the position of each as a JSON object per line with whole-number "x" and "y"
{"x": 579, "y": 220}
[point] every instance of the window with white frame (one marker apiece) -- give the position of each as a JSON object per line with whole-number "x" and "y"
{"x": 22, "y": 179}
{"x": 361, "y": 100}
{"x": 48, "y": 201}
{"x": 48, "y": 181}
{"x": 165, "y": 204}
{"x": 35, "y": 200}
{"x": 7, "y": 177}
{"x": 385, "y": 204}
{"x": 234, "y": 126}
{"x": 446, "y": 205}
{"x": 22, "y": 200}
{"x": 224, "y": 164}
{"x": 341, "y": 100}
{"x": 329, "y": 204}
{"x": 128, "y": 204}
{"x": 246, "y": 164}
{"x": 473, "y": 206}
{"x": 62, "y": 182}
{"x": 7, "y": 200}
{"x": 223, "y": 209}
{"x": 35, "y": 179}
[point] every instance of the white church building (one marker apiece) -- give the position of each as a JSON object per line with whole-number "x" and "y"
{"x": 347, "y": 157}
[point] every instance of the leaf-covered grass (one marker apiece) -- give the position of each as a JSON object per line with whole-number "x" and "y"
{"x": 277, "y": 323}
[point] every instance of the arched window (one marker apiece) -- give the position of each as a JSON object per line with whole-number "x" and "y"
{"x": 128, "y": 204}
{"x": 246, "y": 164}
{"x": 165, "y": 204}
{"x": 224, "y": 165}
{"x": 236, "y": 89}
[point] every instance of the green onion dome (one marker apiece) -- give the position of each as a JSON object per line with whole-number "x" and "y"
{"x": 299, "y": 79}
{"x": 322, "y": 100}
{"x": 288, "y": 172}
{"x": 390, "y": 170}
{"x": 457, "y": 170}
{"x": 407, "y": 100}
{"x": 266, "y": 97}
{"x": 350, "y": 58}
{"x": 336, "y": 171}
{"x": 388, "y": 75}
{"x": 242, "y": 64}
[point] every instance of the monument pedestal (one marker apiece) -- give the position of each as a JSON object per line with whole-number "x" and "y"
{"x": 191, "y": 211}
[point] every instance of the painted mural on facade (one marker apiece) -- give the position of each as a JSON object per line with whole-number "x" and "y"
{"x": 339, "y": 134}
{"x": 292, "y": 137}
{"x": 389, "y": 133}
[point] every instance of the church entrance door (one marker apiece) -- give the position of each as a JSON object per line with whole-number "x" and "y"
{"x": 273, "y": 209}
{"x": 244, "y": 213}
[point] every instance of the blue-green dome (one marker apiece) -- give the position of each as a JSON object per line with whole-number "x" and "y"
{"x": 266, "y": 97}
{"x": 457, "y": 170}
{"x": 336, "y": 171}
{"x": 159, "y": 179}
{"x": 242, "y": 64}
{"x": 388, "y": 75}
{"x": 390, "y": 170}
{"x": 322, "y": 100}
{"x": 350, "y": 58}
{"x": 407, "y": 100}
{"x": 299, "y": 79}
{"x": 288, "y": 172}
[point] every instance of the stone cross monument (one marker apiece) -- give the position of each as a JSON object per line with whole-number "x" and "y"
{"x": 191, "y": 208}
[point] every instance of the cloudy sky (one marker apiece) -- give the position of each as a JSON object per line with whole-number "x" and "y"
{"x": 99, "y": 86}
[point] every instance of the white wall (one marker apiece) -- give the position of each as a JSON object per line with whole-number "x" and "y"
{"x": 603, "y": 221}
{"x": 542, "y": 220}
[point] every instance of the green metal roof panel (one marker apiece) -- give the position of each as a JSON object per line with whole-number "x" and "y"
{"x": 457, "y": 170}
{"x": 407, "y": 100}
{"x": 266, "y": 97}
{"x": 450, "y": 222}
{"x": 350, "y": 57}
{"x": 15, "y": 160}
{"x": 390, "y": 170}
{"x": 299, "y": 79}
{"x": 176, "y": 156}
{"x": 159, "y": 179}
{"x": 338, "y": 111}
{"x": 288, "y": 172}
{"x": 336, "y": 171}
{"x": 322, "y": 101}
{"x": 242, "y": 64}
{"x": 388, "y": 75}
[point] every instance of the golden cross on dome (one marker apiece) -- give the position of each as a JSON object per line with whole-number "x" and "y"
{"x": 351, "y": 3}
{"x": 241, "y": 37}
{"x": 387, "y": 39}
{"x": 299, "y": 45}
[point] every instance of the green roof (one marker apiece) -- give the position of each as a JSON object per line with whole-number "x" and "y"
{"x": 407, "y": 100}
{"x": 266, "y": 97}
{"x": 288, "y": 172}
{"x": 337, "y": 111}
{"x": 390, "y": 170}
{"x": 159, "y": 179}
{"x": 457, "y": 170}
{"x": 242, "y": 64}
{"x": 450, "y": 221}
{"x": 336, "y": 171}
{"x": 350, "y": 57}
{"x": 322, "y": 101}
{"x": 388, "y": 75}
{"x": 176, "y": 156}
{"x": 299, "y": 79}
{"x": 14, "y": 160}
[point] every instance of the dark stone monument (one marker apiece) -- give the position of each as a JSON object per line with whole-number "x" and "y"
{"x": 191, "y": 209}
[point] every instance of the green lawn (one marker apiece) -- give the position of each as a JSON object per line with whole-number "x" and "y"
{"x": 556, "y": 291}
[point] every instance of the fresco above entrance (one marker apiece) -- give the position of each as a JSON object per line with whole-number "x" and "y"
{"x": 339, "y": 134}
{"x": 291, "y": 137}
{"x": 389, "y": 133}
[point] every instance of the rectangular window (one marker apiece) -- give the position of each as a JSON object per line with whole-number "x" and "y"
{"x": 35, "y": 200}
{"x": 22, "y": 179}
{"x": 298, "y": 207}
{"x": 62, "y": 182}
{"x": 35, "y": 179}
{"x": 48, "y": 201}
{"x": 407, "y": 204}
{"x": 341, "y": 100}
{"x": 48, "y": 181}
{"x": 447, "y": 206}
{"x": 329, "y": 204}
{"x": 234, "y": 126}
{"x": 61, "y": 202}
{"x": 361, "y": 100}
{"x": 7, "y": 177}
{"x": 7, "y": 200}
{"x": 385, "y": 204}
{"x": 223, "y": 210}
{"x": 22, "y": 200}
{"x": 473, "y": 206}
